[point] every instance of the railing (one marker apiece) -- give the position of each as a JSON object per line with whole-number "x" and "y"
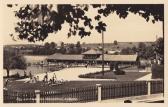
{"x": 157, "y": 86}
{"x": 124, "y": 90}
{"x": 19, "y": 97}
{"x": 86, "y": 94}
{"x": 69, "y": 96}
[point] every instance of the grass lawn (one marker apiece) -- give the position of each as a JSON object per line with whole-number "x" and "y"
{"x": 21, "y": 86}
{"x": 129, "y": 76}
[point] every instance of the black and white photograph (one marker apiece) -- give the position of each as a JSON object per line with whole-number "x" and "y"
{"x": 83, "y": 53}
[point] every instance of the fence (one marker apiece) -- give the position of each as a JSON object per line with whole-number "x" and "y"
{"x": 19, "y": 97}
{"x": 124, "y": 90}
{"x": 86, "y": 94}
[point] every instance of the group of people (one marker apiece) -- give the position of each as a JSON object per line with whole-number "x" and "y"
{"x": 51, "y": 80}
{"x": 34, "y": 79}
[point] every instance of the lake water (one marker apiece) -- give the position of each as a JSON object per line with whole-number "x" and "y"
{"x": 33, "y": 69}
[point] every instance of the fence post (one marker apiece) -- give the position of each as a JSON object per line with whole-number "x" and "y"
{"x": 37, "y": 93}
{"x": 149, "y": 87}
{"x": 99, "y": 86}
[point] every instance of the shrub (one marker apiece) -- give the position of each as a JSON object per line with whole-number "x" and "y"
{"x": 157, "y": 71}
{"x": 93, "y": 75}
{"x": 119, "y": 72}
{"x": 127, "y": 101}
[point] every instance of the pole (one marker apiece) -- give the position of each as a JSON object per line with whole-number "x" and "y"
{"x": 149, "y": 87}
{"x": 37, "y": 92}
{"x": 99, "y": 92}
{"x": 103, "y": 53}
{"x": 163, "y": 43}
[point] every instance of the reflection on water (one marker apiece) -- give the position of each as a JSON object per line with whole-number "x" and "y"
{"x": 34, "y": 70}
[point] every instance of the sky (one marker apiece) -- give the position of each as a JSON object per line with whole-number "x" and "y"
{"x": 132, "y": 29}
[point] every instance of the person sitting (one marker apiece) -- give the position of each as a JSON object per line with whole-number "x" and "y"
{"x": 50, "y": 81}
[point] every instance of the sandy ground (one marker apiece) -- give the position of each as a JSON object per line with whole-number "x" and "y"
{"x": 146, "y": 77}
{"x": 69, "y": 74}
{"x": 135, "y": 99}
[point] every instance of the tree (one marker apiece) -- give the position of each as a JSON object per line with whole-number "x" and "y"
{"x": 46, "y": 45}
{"x": 127, "y": 51}
{"x": 53, "y": 45}
{"x": 141, "y": 46}
{"x": 71, "y": 49}
{"x": 37, "y": 21}
{"x": 159, "y": 46}
{"x": 62, "y": 48}
{"x": 13, "y": 61}
{"x": 150, "y": 52}
{"x": 159, "y": 49}
{"x": 78, "y": 45}
{"x": 78, "y": 48}
{"x": 141, "y": 49}
{"x": 134, "y": 49}
{"x": 115, "y": 42}
{"x": 52, "y": 48}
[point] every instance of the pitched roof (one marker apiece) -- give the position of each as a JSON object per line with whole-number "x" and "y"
{"x": 58, "y": 56}
{"x": 91, "y": 52}
{"x": 123, "y": 58}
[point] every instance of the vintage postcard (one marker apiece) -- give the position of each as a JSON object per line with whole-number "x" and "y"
{"x": 83, "y": 53}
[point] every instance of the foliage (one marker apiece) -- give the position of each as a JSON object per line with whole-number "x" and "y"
{"x": 141, "y": 49}
{"x": 119, "y": 72}
{"x": 47, "y": 49}
{"x": 51, "y": 48}
{"x": 146, "y": 52}
{"x": 115, "y": 42}
{"x": 159, "y": 49}
{"x": 37, "y": 21}
{"x": 159, "y": 46}
{"x": 127, "y": 51}
{"x": 78, "y": 48}
{"x": 13, "y": 61}
{"x": 153, "y": 50}
{"x": 141, "y": 46}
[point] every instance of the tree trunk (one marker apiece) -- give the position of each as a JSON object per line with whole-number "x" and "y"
{"x": 7, "y": 71}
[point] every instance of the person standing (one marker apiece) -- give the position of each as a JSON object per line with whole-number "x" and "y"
{"x": 30, "y": 75}
{"x": 46, "y": 77}
{"x": 54, "y": 77}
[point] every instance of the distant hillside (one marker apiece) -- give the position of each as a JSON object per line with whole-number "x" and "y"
{"x": 27, "y": 46}
{"x": 108, "y": 46}
{"x": 120, "y": 45}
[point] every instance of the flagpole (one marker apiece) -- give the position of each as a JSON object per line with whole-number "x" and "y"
{"x": 103, "y": 53}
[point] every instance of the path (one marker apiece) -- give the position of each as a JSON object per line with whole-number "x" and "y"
{"x": 146, "y": 77}
{"x": 136, "y": 99}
